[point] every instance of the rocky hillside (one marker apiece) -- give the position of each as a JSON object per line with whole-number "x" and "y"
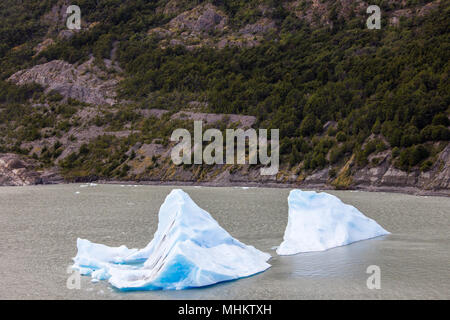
{"x": 19, "y": 171}
{"x": 206, "y": 25}
{"x": 356, "y": 108}
{"x": 84, "y": 82}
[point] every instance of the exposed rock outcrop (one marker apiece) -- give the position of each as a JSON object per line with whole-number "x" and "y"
{"x": 323, "y": 13}
{"x": 386, "y": 175}
{"x": 56, "y": 20}
{"x": 85, "y": 82}
{"x": 438, "y": 178}
{"x": 173, "y": 7}
{"x": 18, "y": 171}
{"x": 203, "y": 18}
{"x": 43, "y": 45}
{"x": 210, "y": 118}
{"x": 395, "y": 16}
{"x": 262, "y": 26}
{"x": 56, "y": 17}
{"x": 206, "y": 25}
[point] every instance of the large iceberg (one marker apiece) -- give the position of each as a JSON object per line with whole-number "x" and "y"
{"x": 320, "y": 221}
{"x": 189, "y": 249}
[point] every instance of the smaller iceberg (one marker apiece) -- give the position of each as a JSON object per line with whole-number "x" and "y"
{"x": 320, "y": 221}
{"x": 189, "y": 249}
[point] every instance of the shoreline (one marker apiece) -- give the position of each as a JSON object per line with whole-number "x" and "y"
{"x": 315, "y": 187}
{"x": 274, "y": 185}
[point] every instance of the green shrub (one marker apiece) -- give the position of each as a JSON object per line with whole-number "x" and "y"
{"x": 341, "y": 136}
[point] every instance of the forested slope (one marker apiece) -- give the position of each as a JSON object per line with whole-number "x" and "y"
{"x": 354, "y": 106}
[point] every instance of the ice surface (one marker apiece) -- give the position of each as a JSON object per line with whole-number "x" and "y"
{"x": 189, "y": 249}
{"x": 320, "y": 221}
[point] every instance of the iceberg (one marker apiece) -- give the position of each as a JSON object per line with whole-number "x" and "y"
{"x": 320, "y": 221}
{"x": 189, "y": 249}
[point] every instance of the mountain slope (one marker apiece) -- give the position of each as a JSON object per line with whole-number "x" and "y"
{"x": 355, "y": 107}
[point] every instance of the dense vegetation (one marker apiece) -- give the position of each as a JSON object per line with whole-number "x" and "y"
{"x": 332, "y": 92}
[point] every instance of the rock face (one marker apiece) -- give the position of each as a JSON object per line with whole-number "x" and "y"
{"x": 320, "y": 13}
{"x": 438, "y": 177}
{"x": 15, "y": 171}
{"x": 260, "y": 27}
{"x": 200, "y": 19}
{"x": 206, "y": 25}
{"x": 386, "y": 175}
{"x": 56, "y": 17}
{"x": 85, "y": 83}
{"x": 43, "y": 45}
{"x": 396, "y": 15}
{"x": 172, "y": 7}
{"x": 318, "y": 178}
{"x": 440, "y": 180}
{"x": 56, "y": 20}
{"x": 243, "y": 121}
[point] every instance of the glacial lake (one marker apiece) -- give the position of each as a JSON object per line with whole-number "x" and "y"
{"x": 39, "y": 226}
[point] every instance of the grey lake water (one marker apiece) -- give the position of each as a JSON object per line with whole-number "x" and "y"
{"x": 39, "y": 226}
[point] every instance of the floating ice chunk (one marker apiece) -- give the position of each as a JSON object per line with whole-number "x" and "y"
{"x": 92, "y": 257}
{"x": 320, "y": 221}
{"x": 189, "y": 249}
{"x": 88, "y": 185}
